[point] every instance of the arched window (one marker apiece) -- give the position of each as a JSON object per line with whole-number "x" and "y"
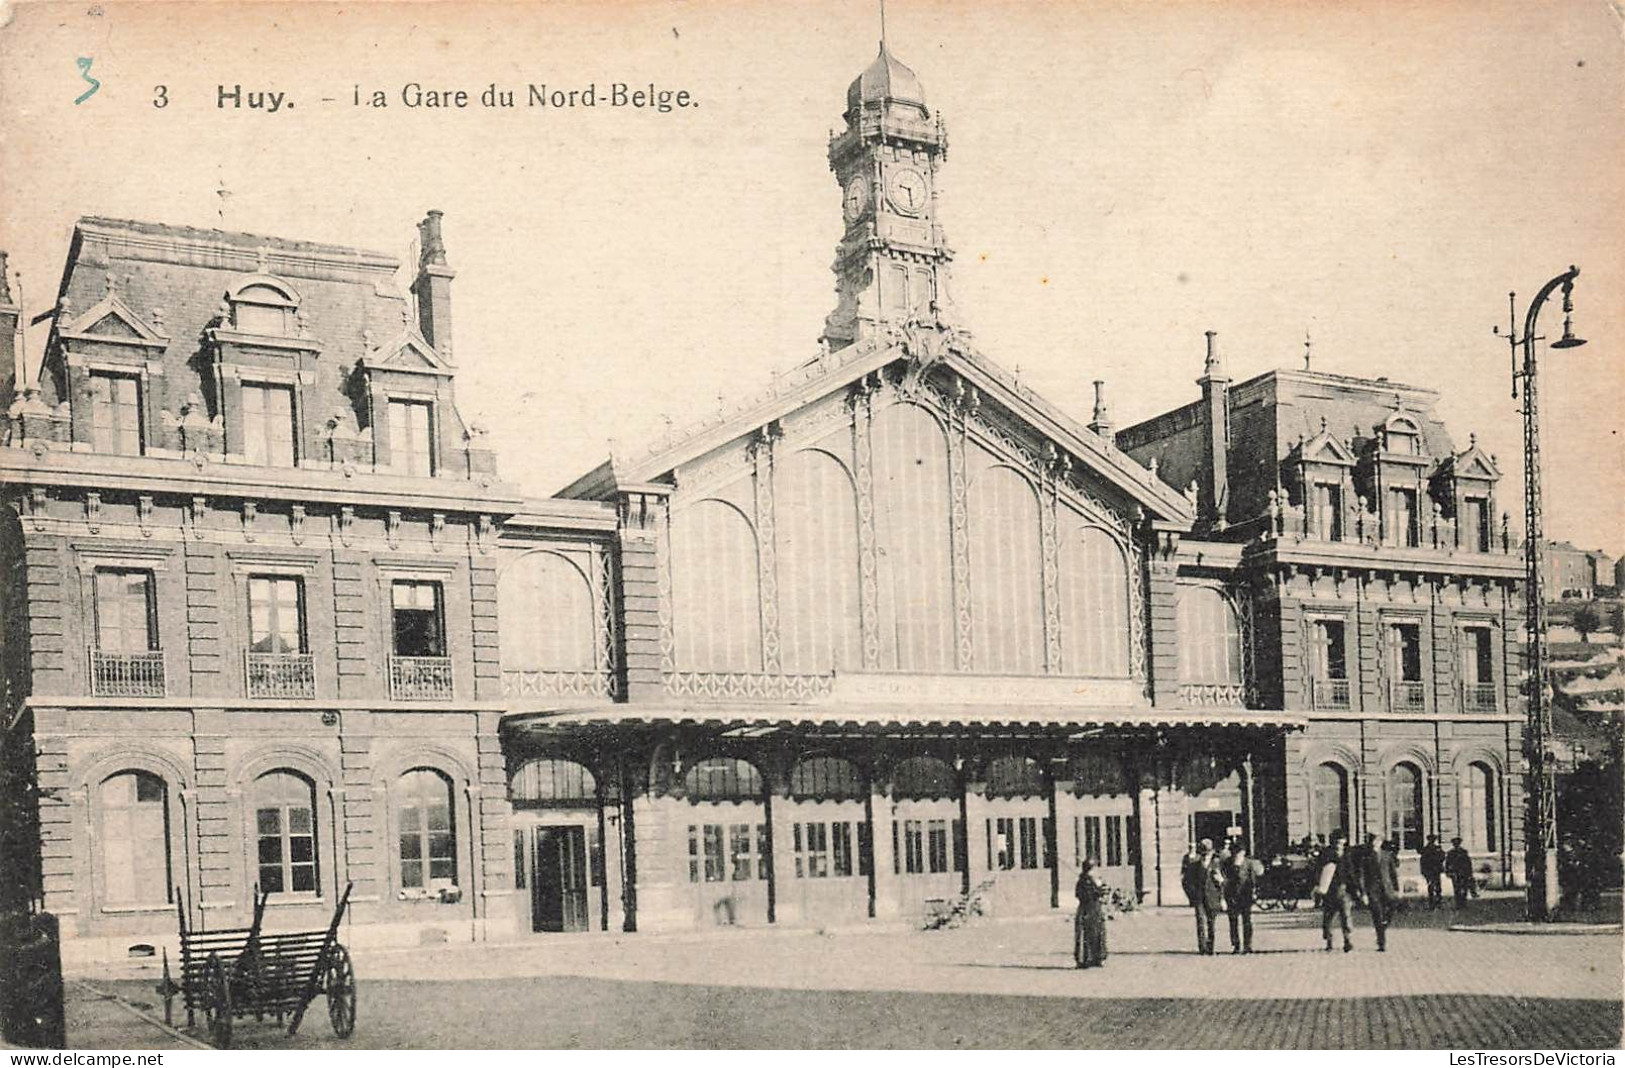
{"x": 261, "y": 307}
{"x": 716, "y": 589}
{"x": 825, "y": 778}
{"x": 1209, "y": 637}
{"x": 723, "y": 779}
{"x": 924, "y": 778}
{"x": 1014, "y": 776}
{"x": 913, "y": 550}
{"x": 819, "y": 627}
{"x": 1478, "y": 809}
{"x": 1006, "y": 574}
{"x": 424, "y": 828}
{"x": 1407, "y": 807}
{"x": 552, "y": 782}
{"x": 1094, "y": 597}
{"x": 545, "y": 605}
{"x": 1329, "y": 800}
{"x": 135, "y": 840}
{"x": 285, "y": 833}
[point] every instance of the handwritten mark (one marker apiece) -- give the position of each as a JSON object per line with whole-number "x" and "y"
{"x": 84, "y": 72}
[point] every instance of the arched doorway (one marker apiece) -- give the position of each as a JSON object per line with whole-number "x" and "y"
{"x": 730, "y": 856}
{"x": 558, "y": 842}
{"x": 927, "y": 835}
{"x": 1017, "y": 834}
{"x": 824, "y": 873}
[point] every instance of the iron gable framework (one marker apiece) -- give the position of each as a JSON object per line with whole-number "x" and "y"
{"x": 894, "y": 632}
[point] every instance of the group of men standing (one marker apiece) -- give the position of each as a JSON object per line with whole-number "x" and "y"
{"x": 1230, "y": 882}
{"x": 1346, "y": 875}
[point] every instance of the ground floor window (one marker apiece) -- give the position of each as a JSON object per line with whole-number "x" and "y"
{"x": 1478, "y": 809}
{"x": 838, "y": 849}
{"x": 285, "y": 826}
{"x": 1406, "y": 806}
{"x": 428, "y": 846}
{"x": 1107, "y": 840}
{"x": 727, "y": 852}
{"x": 1329, "y": 801}
{"x": 135, "y": 840}
{"x": 1023, "y": 842}
{"x": 927, "y": 847}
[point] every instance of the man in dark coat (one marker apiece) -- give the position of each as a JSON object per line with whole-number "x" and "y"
{"x": 1381, "y": 892}
{"x": 1240, "y": 890}
{"x": 1458, "y": 864}
{"x": 1203, "y": 884}
{"x": 1339, "y": 889}
{"x": 1432, "y": 869}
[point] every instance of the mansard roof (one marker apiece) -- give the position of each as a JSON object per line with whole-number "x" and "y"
{"x": 923, "y": 347}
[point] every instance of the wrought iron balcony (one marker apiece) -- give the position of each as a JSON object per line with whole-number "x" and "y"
{"x": 1213, "y": 694}
{"x": 1329, "y": 693}
{"x": 280, "y": 674}
{"x": 520, "y": 683}
{"x": 127, "y": 674}
{"x": 1407, "y": 695}
{"x": 420, "y": 678}
{"x": 1480, "y": 697}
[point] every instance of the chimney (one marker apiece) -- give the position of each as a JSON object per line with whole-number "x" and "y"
{"x": 432, "y": 288}
{"x": 1214, "y": 493}
{"x": 1102, "y": 422}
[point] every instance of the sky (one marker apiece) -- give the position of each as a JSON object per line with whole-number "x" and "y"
{"x": 1120, "y": 178}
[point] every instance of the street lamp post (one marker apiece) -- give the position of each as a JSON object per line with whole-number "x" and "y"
{"x": 1540, "y": 837}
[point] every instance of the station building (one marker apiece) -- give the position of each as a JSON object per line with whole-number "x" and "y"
{"x": 896, "y": 631}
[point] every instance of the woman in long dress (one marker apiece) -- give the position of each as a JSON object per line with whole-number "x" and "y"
{"x": 1089, "y": 928}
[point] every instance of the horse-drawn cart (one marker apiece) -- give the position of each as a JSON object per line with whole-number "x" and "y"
{"x": 242, "y": 972}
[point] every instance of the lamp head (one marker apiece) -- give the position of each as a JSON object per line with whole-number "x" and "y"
{"x": 1568, "y": 340}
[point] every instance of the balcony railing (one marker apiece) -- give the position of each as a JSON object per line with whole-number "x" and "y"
{"x": 1480, "y": 697}
{"x": 1359, "y": 527}
{"x": 127, "y": 674}
{"x": 519, "y": 683}
{"x": 1329, "y": 693}
{"x": 1406, "y": 695}
{"x": 280, "y": 674}
{"x": 1213, "y": 694}
{"x": 420, "y": 678}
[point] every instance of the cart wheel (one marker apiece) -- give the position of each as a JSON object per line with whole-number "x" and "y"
{"x": 1267, "y": 904}
{"x": 341, "y": 992}
{"x": 217, "y": 1003}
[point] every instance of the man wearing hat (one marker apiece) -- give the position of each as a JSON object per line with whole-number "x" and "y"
{"x": 1458, "y": 864}
{"x": 1374, "y": 886}
{"x": 1338, "y": 888}
{"x": 1241, "y": 874}
{"x": 1203, "y": 882}
{"x": 1432, "y": 870}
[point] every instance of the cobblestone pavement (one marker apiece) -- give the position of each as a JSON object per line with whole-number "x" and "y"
{"x": 992, "y": 984}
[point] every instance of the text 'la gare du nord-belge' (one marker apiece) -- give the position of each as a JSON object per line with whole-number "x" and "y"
{"x": 416, "y": 95}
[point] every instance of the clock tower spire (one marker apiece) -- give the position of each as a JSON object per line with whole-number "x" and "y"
{"x": 891, "y": 265}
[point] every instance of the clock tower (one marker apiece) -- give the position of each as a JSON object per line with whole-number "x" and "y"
{"x": 891, "y": 265}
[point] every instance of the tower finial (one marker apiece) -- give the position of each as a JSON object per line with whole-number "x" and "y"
{"x": 882, "y": 25}
{"x": 1308, "y": 349}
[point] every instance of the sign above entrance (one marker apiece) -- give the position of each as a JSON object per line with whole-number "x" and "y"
{"x": 911, "y": 688}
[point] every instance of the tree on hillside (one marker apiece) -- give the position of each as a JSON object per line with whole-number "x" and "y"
{"x": 1587, "y": 621}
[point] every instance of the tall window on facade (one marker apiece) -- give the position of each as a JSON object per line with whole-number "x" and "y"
{"x": 914, "y": 549}
{"x": 418, "y": 618}
{"x": 411, "y": 437}
{"x": 927, "y": 847}
{"x": 285, "y": 830}
{"x": 1403, "y": 525}
{"x": 1474, "y": 524}
{"x": 1478, "y": 669}
{"x": 1403, "y": 439}
{"x": 126, "y": 618}
{"x": 1405, "y": 666}
{"x": 545, "y": 601}
{"x": 1407, "y": 805}
{"x": 1328, "y": 505}
{"x": 135, "y": 840}
{"x": 424, "y": 830}
{"x": 1094, "y": 595}
{"x": 1330, "y": 664}
{"x": 1329, "y": 800}
{"x": 716, "y": 589}
{"x": 819, "y": 627}
{"x": 1006, "y": 574}
{"x": 115, "y": 414}
{"x": 268, "y": 428}
{"x": 1209, "y": 637}
{"x": 276, "y": 614}
{"x": 1478, "y": 809}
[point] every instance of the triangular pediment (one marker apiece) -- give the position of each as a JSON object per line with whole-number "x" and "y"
{"x": 114, "y": 321}
{"x": 1324, "y": 448}
{"x": 909, "y": 357}
{"x": 408, "y": 352}
{"x": 1473, "y": 462}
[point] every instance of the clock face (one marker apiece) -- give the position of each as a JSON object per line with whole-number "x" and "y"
{"x": 856, "y": 198}
{"x": 908, "y": 191}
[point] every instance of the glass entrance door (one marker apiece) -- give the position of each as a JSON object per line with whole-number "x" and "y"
{"x": 551, "y": 862}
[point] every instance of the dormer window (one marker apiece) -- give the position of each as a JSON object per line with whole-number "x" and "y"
{"x": 265, "y": 307}
{"x": 1402, "y": 437}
